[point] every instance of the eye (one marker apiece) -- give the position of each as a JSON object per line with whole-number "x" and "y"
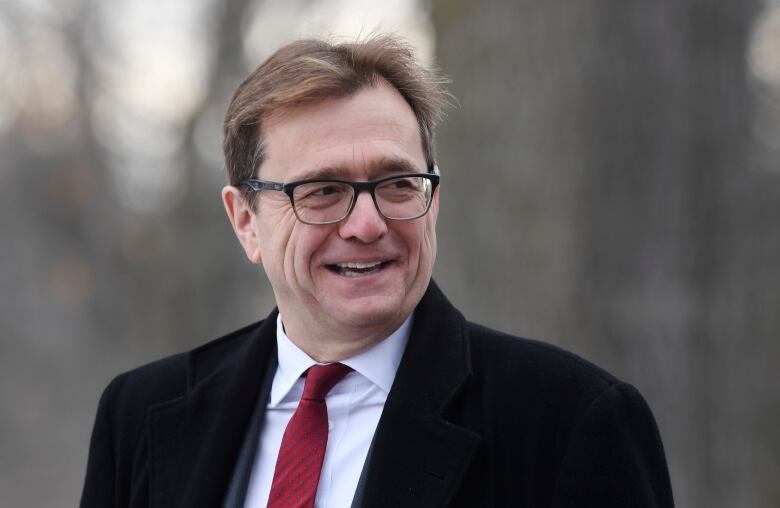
{"x": 402, "y": 184}
{"x": 322, "y": 194}
{"x": 319, "y": 190}
{"x": 325, "y": 190}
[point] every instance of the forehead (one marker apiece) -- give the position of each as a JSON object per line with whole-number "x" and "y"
{"x": 359, "y": 136}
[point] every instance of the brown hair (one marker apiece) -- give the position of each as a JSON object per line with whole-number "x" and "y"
{"x": 307, "y": 71}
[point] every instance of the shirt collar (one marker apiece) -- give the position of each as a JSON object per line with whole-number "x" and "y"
{"x": 378, "y": 364}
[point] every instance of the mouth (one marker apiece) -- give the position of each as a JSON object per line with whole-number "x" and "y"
{"x": 357, "y": 269}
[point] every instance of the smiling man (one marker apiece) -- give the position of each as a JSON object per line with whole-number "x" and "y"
{"x": 365, "y": 387}
{"x": 344, "y": 285}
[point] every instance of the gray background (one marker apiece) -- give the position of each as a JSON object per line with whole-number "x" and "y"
{"x": 611, "y": 183}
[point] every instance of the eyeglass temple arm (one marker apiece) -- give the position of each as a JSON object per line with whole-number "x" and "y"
{"x": 260, "y": 185}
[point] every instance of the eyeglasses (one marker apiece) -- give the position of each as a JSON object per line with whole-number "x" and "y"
{"x": 327, "y": 201}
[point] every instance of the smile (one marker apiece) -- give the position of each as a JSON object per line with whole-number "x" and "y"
{"x": 357, "y": 269}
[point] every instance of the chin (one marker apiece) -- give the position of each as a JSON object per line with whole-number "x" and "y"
{"x": 371, "y": 312}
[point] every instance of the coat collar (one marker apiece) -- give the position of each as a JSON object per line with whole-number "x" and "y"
{"x": 418, "y": 457}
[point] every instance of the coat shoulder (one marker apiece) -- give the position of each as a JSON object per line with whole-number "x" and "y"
{"x": 174, "y": 376}
{"x": 521, "y": 365}
{"x": 582, "y": 436}
{"x": 119, "y": 464}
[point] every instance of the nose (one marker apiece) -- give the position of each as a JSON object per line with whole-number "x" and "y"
{"x": 364, "y": 223}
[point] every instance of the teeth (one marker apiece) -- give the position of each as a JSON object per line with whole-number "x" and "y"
{"x": 359, "y": 266}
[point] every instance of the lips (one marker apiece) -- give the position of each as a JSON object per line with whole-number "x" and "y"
{"x": 355, "y": 269}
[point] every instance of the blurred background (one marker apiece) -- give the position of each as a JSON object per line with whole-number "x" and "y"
{"x": 611, "y": 184}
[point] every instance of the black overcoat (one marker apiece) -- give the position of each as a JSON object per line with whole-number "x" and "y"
{"x": 475, "y": 418}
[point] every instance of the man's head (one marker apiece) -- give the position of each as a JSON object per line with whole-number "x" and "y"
{"x": 356, "y": 112}
{"x": 308, "y": 71}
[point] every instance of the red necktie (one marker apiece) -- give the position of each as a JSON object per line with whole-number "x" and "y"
{"x": 300, "y": 458}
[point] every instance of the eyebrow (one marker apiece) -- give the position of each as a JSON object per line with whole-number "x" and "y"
{"x": 377, "y": 169}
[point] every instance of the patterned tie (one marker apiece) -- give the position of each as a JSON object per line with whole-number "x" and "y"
{"x": 300, "y": 458}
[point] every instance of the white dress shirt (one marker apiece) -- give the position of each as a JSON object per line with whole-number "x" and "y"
{"x": 354, "y": 407}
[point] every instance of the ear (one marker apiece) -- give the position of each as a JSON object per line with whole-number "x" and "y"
{"x": 244, "y": 221}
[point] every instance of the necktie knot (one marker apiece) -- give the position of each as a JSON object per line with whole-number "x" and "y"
{"x": 320, "y": 379}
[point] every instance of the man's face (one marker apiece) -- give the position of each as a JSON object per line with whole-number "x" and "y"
{"x": 371, "y": 134}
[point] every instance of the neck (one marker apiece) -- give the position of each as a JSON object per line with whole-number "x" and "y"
{"x": 338, "y": 345}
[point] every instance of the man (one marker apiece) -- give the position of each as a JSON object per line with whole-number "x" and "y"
{"x": 366, "y": 387}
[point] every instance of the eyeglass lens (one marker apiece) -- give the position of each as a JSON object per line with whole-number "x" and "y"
{"x": 401, "y": 198}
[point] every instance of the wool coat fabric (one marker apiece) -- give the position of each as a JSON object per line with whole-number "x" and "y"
{"x": 475, "y": 418}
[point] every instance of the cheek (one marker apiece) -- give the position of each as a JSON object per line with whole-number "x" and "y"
{"x": 430, "y": 239}
{"x": 303, "y": 249}
{"x": 420, "y": 241}
{"x": 428, "y": 246}
{"x": 275, "y": 232}
{"x": 430, "y": 234}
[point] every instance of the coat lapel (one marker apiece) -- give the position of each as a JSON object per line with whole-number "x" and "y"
{"x": 195, "y": 440}
{"x": 419, "y": 458}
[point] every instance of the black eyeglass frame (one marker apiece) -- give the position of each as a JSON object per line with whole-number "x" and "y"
{"x": 357, "y": 187}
